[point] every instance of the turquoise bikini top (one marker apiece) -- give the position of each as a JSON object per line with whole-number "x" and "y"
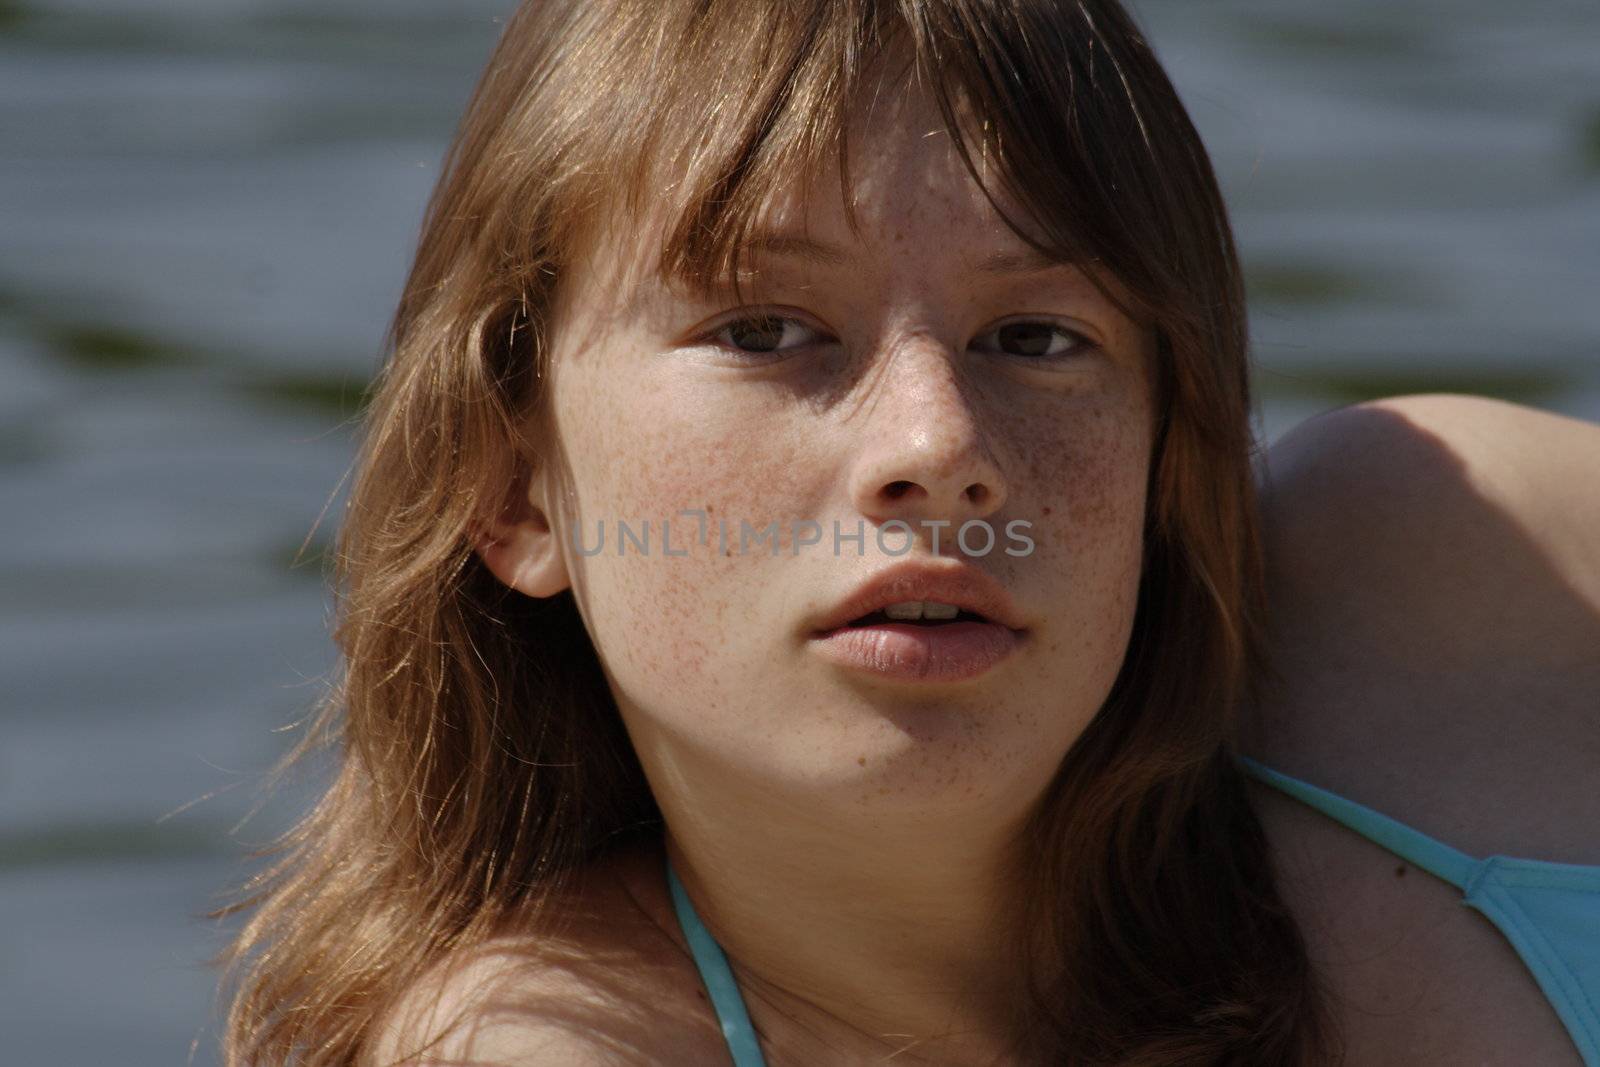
{"x": 1550, "y": 912}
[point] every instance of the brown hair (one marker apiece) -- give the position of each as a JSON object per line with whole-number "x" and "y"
{"x": 483, "y": 759}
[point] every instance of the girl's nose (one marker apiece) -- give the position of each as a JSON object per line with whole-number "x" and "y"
{"x": 923, "y": 451}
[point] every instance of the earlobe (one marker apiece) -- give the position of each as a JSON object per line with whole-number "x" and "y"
{"x": 522, "y": 548}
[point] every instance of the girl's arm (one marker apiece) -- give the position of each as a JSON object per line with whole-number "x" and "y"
{"x": 1442, "y": 523}
{"x": 1434, "y": 591}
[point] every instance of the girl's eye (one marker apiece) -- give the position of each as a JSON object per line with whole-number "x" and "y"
{"x": 769, "y": 333}
{"x": 763, "y": 334}
{"x": 1034, "y": 340}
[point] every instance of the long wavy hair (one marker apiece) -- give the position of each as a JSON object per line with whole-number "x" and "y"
{"x": 481, "y": 760}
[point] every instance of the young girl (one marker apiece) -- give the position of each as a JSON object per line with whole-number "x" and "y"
{"x": 804, "y": 572}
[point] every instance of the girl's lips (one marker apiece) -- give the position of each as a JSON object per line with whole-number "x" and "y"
{"x": 903, "y": 651}
{"x": 945, "y": 581}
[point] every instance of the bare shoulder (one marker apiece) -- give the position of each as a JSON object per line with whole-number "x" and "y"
{"x": 605, "y": 987}
{"x": 1434, "y": 616}
{"x": 1434, "y": 621}
{"x": 1439, "y": 480}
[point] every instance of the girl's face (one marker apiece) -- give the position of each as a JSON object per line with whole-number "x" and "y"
{"x": 929, "y": 370}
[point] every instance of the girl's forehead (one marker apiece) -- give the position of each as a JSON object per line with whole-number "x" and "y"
{"x": 903, "y": 189}
{"x": 891, "y": 206}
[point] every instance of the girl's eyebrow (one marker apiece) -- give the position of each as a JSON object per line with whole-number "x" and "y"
{"x": 770, "y": 246}
{"x": 792, "y": 246}
{"x": 1028, "y": 261}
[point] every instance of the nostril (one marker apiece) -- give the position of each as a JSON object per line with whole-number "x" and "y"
{"x": 896, "y": 490}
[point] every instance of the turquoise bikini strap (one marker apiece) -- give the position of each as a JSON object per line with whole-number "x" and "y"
{"x": 714, "y": 972}
{"x": 1435, "y": 857}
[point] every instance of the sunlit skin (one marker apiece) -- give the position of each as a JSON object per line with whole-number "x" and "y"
{"x": 844, "y": 836}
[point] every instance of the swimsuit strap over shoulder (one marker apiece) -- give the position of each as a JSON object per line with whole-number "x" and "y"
{"x": 718, "y": 978}
{"x": 1550, "y": 912}
{"x": 1435, "y": 857}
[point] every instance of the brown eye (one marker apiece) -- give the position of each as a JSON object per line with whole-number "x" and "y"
{"x": 1034, "y": 340}
{"x": 1026, "y": 338}
{"x": 757, "y": 335}
{"x": 763, "y": 334}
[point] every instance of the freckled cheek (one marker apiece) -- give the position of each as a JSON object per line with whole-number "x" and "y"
{"x": 680, "y": 444}
{"x": 676, "y": 620}
{"x": 720, "y": 482}
{"x": 1091, "y": 474}
{"x": 1090, "y": 545}
{"x": 1106, "y": 491}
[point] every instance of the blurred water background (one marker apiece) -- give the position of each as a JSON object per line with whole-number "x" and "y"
{"x": 206, "y": 210}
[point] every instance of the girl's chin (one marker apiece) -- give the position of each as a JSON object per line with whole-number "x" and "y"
{"x": 909, "y": 756}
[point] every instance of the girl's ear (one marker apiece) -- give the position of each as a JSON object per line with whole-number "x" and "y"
{"x": 521, "y": 547}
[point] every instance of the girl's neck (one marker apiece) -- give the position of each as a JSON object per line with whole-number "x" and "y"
{"x": 898, "y": 946}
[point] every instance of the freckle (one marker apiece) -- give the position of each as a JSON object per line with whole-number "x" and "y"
{"x": 861, "y": 761}
{"x": 708, "y": 509}
{"x": 1047, "y": 509}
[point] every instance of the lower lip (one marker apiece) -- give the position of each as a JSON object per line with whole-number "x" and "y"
{"x": 901, "y": 651}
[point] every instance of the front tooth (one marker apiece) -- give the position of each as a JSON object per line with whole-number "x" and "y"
{"x": 912, "y": 610}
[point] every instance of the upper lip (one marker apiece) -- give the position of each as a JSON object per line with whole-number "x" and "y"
{"x": 952, "y": 583}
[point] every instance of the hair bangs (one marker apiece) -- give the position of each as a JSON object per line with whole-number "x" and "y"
{"x": 757, "y": 100}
